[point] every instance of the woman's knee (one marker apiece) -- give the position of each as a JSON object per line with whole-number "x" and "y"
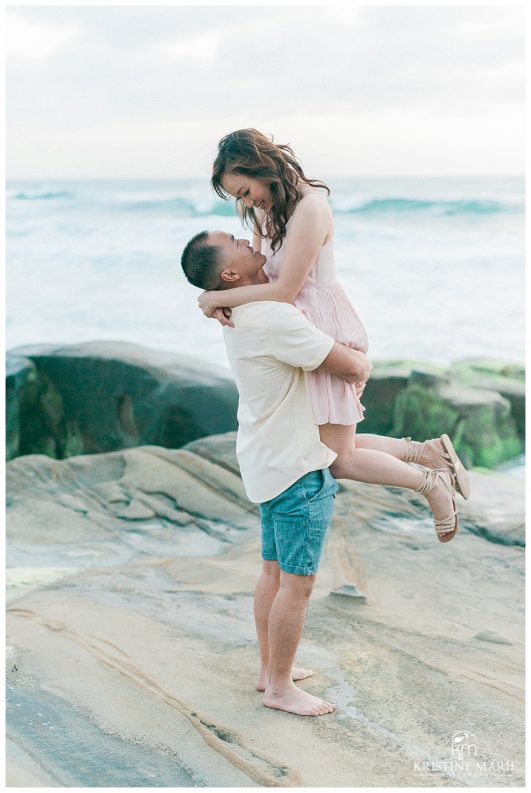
{"x": 343, "y": 463}
{"x": 342, "y": 440}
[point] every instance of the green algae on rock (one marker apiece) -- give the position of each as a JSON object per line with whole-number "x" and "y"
{"x": 479, "y": 403}
{"x": 105, "y": 396}
{"x": 480, "y": 423}
{"x": 507, "y": 379}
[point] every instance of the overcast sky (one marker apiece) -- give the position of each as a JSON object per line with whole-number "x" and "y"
{"x": 136, "y": 91}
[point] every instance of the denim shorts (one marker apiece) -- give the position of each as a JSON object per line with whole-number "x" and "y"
{"x": 295, "y": 523}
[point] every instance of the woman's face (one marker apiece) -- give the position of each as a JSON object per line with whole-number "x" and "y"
{"x": 253, "y": 192}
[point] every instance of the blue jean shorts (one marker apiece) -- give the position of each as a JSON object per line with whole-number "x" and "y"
{"x": 295, "y": 523}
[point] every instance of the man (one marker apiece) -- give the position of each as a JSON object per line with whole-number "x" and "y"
{"x": 284, "y": 465}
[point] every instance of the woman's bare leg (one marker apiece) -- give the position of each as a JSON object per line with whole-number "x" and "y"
{"x": 380, "y": 443}
{"x": 378, "y": 467}
{"x": 397, "y": 448}
{"x": 367, "y": 465}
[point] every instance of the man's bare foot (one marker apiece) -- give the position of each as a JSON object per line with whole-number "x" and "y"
{"x": 297, "y": 673}
{"x": 295, "y": 700}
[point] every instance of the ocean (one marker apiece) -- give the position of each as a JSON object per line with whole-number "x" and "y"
{"x": 433, "y": 266}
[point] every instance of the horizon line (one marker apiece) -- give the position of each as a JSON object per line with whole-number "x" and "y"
{"x": 327, "y": 176}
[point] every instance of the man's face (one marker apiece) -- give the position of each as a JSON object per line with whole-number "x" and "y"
{"x": 237, "y": 255}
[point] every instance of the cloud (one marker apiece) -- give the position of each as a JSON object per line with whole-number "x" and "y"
{"x": 35, "y": 40}
{"x": 204, "y": 46}
{"x": 139, "y": 72}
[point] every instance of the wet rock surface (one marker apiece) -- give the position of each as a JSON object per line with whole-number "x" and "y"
{"x": 479, "y": 403}
{"x": 104, "y": 396}
{"x": 67, "y": 400}
{"x": 130, "y": 626}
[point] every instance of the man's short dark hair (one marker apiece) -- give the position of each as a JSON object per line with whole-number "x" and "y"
{"x": 201, "y": 262}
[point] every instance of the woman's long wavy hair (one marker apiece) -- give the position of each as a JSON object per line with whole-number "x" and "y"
{"x": 249, "y": 152}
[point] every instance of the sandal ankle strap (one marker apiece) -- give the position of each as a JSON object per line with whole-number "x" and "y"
{"x": 429, "y": 479}
{"x": 444, "y": 525}
{"x": 414, "y": 450}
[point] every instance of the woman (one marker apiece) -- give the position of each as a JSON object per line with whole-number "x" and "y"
{"x": 293, "y": 227}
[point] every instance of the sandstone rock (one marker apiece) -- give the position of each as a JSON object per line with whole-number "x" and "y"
{"x": 479, "y": 422}
{"x": 102, "y": 396}
{"x": 491, "y": 636}
{"x": 93, "y": 502}
{"x": 22, "y": 394}
{"x": 219, "y": 449}
{"x": 480, "y": 403}
{"x": 505, "y": 378}
{"x": 387, "y": 380}
{"x": 131, "y": 634}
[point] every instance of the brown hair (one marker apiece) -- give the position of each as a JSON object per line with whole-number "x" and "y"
{"x": 201, "y": 262}
{"x": 248, "y": 152}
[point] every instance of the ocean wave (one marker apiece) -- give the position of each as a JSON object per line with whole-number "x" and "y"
{"x": 40, "y": 195}
{"x": 439, "y": 206}
{"x": 183, "y": 207}
{"x": 371, "y": 206}
{"x": 197, "y": 202}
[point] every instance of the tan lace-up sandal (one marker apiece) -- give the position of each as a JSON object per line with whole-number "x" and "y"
{"x": 414, "y": 451}
{"x": 445, "y": 528}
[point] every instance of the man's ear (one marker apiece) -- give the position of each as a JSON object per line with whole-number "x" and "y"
{"x": 229, "y": 276}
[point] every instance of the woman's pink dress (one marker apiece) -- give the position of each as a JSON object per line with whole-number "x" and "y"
{"x": 326, "y": 305}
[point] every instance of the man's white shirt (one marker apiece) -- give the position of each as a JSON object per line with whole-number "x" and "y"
{"x": 270, "y": 349}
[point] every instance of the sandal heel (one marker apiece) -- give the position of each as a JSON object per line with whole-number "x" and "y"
{"x": 415, "y": 450}
{"x": 445, "y": 528}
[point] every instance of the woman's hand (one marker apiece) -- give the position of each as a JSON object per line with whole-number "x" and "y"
{"x": 223, "y": 316}
{"x": 365, "y": 370}
{"x": 208, "y": 302}
{"x": 209, "y": 305}
{"x": 360, "y": 388}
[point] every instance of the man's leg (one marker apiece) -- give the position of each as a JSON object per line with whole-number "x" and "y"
{"x": 286, "y": 622}
{"x": 264, "y": 595}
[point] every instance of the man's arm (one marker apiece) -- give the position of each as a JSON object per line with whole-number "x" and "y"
{"x": 295, "y": 341}
{"x": 351, "y": 365}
